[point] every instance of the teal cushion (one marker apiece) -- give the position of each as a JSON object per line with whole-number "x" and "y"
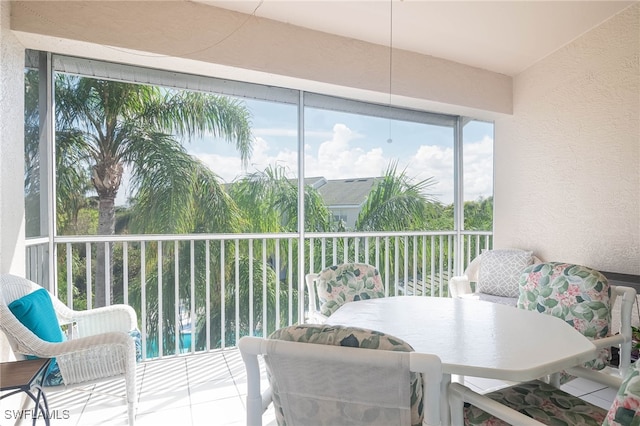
{"x": 35, "y": 311}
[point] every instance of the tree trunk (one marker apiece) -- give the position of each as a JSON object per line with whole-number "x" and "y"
{"x": 106, "y": 226}
{"x": 106, "y": 180}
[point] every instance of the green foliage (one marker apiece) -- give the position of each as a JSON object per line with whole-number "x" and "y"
{"x": 103, "y": 126}
{"x": 32, "y": 152}
{"x": 396, "y": 203}
{"x": 268, "y": 201}
{"x": 440, "y": 217}
{"x": 478, "y": 215}
{"x": 78, "y": 271}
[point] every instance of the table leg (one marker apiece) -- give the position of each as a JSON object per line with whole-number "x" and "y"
{"x": 445, "y": 411}
{"x": 39, "y": 405}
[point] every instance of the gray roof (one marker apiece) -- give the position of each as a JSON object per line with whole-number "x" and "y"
{"x": 338, "y": 192}
{"x": 346, "y": 192}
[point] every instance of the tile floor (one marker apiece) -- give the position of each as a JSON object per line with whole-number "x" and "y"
{"x": 202, "y": 389}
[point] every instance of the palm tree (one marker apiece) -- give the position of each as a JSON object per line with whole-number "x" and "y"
{"x": 270, "y": 201}
{"x": 396, "y": 203}
{"x": 31, "y": 152}
{"x": 113, "y": 125}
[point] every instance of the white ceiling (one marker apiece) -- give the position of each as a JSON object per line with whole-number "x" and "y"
{"x": 501, "y": 36}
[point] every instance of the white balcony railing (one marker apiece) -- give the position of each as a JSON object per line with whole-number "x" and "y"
{"x": 199, "y": 292}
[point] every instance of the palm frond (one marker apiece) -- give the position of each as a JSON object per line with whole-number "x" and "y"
{"x": 198, "y": 114}
{"x": 396, "y": 203}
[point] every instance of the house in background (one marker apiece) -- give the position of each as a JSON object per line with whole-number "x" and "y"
{"x": 343, "y": 197}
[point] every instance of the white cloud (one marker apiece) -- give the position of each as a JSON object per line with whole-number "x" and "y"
{"x": 478, "y": 169}
{"x": 289, "y": 132}
{"x": 229, "y": 168}
{"x": 338, "y": 158}
{"x": 437, "y": 162}
{"x": 225, "y": 167}
{"x": 275, "y": 132}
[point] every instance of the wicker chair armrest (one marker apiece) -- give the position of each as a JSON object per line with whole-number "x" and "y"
{"x": 310, "y": 280}
{"x": 316, "y": 317}
{"x": 104, "y": 320}
{"x": 44, "y": 349}
{"x": 459, "y": 285}
{"x": 96, "y": 357}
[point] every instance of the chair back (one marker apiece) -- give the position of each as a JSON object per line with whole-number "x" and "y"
{"x": 20, "y": 338}
{"x": 577, "y": 294}
{"x": 339, "y": 284}
{"x": 13, "y": 287}
{"x": 345, "y": 382}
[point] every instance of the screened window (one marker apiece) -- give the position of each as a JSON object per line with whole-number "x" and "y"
{"x": 349, "y": 158}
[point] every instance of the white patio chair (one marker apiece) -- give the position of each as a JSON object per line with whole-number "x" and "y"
{"x": 548, "y": 288}
{"x": 100, "y": 347}
{"x": 339, "y": 284}
{"x": 538, "y": 403}
{"x": 495, "y": 279}
{"x": 582, "y": 297}
{"x": 342, "y": 382}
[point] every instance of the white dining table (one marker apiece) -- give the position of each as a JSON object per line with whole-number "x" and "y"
{"x": 473, "y": 337}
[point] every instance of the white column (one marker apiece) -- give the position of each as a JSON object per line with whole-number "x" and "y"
{"x": 12, "y": 248}
{"x": 12, "y": 219}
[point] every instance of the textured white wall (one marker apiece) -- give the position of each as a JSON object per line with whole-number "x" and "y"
{"x": 12, "y": 249}
{"x": 198, "y": 38}
{"x": 567, "y": 164}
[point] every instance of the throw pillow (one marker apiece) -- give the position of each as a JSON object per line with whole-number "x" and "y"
{"x": 500, "y": 271}
{"x": 35, "y": 311}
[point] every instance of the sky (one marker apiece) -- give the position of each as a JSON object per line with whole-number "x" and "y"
{"x": 342, "y": 145}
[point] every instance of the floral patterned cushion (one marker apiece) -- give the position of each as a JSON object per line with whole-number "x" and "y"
{"x": 542, "y": 402}
{"x": 353, "y": 337}
{"x": 625, "y": 409}
{"x": 339, "y": 284}
{"x": 500, "y": 270}
{"x": 577, "y": 294}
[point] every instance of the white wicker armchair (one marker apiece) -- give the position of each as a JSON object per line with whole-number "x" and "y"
{"x": 100, "y": 346}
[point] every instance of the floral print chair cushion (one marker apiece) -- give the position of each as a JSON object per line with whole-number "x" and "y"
{"x": 550, "y": 405}
{"x": 577, "y": 294}
{"x": 339, "y": 284}
{"x": 353, "y": 337}
{"x": 540, "y": 401}
{"x": 625, "y": 409}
